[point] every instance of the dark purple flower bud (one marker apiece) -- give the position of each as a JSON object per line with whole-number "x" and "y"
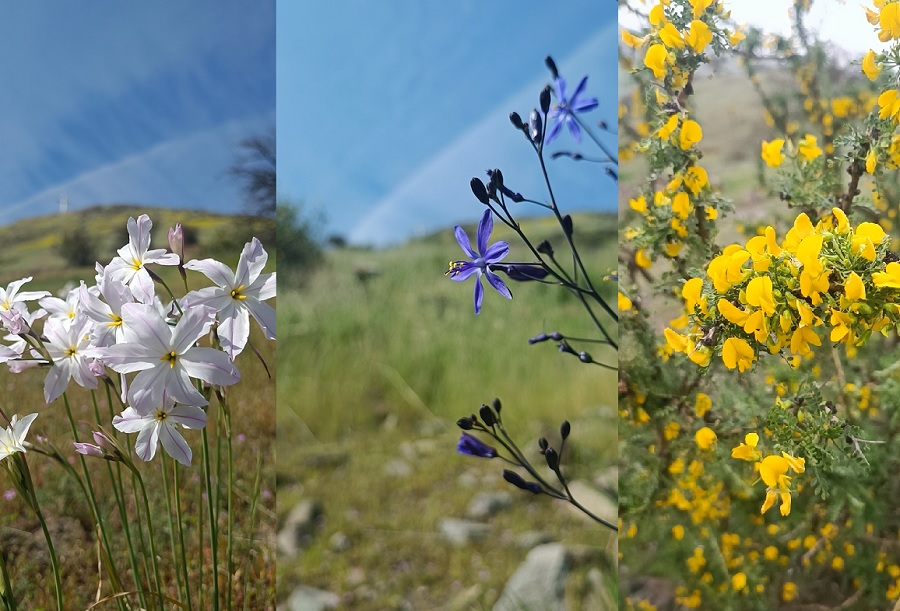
{"x": 522, "y": 272}
{"x": 551, "y": 65}
{"x": 535, "y": 127}
{"x": 465, "y": 424}
{"x": 479, "y": 190}
{"x": 545, "y": 99}
{"x": 564, "y": 429}
{"x": 584, "y": 357}
{"x": 496, "y": 178}
{"x": 543, "y": 444}
{"x": 516, "y": 480}
{"x": 545, "y": 248}
{"x": 567, "y": 225}
{"x": 565, "y": 347}
{"x": 552, "y": 457}
{"x": 497, "y": 405}
{"x": 611, "y": 172}
{"x": 516, "y": 120}
{"x": 556, "y": 336}
{"x": 487, "y": 415}
{"x": 539, "y": 338}
{"x": 471, "y": 445}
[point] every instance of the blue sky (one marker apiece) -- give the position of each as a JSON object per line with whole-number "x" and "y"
{"x": 133, "y": 102}
{"x": 385, "y": 110}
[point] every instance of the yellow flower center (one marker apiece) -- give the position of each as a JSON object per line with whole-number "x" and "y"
{"x": 171, "y": 357}
{"x": 237, "y": 294}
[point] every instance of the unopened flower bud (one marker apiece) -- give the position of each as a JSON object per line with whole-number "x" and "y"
{"x": 104, "y": 442}
{"x": 564, "y": 429}
{"x": 479, "y": 190}
{"x": 543, "y": 444}
{"x": 516, "y": 480}
{"x": 497, "y": 405}
{"x": 538, "y": 338}
{"x": 535, "y": 127}
{"x": 465, "y": 424}
{"x": 545, "y": 248}
{"x": 567, "y": 225}
{"x": 516, "y": 120}
{"x": 584, "y": 357}
{"x": 88, "y": 449}
{"x": 545, "y": 99}
{"x": 551, "y": 65}
{"x": 176, "y": 240}
{"x": 487, "y": 415}
{"x": 496, "y": 178}
{"x": 552, "y": 457}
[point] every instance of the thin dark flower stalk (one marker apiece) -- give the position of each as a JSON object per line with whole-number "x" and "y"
{"x": 119, "y": 494}
{"x": 168, "y": 492}
{"x": 212, "y": 515}
{"x": 151, "y": 536}
{"x": 184, "y": 562}
{"x": 6, "y": 594}
{"x": 91, "y": 496}
{"x": 613, "y": 158}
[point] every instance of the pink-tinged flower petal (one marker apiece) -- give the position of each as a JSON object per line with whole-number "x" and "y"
{"x": 139, "y": 235}
{"x": 250, "y": 265}
{"x": 216, "y": 271}
{"x": 234, "y": 329}
{"x": 193, "y": 325}
{"x": 142, "y": 286}
{"x": 88, "y": 449}
{"x": 130, "y": 421}
{"x": 214, "y": 297}
{"x": 144, "y": 325}
{"x": 210, "y": 365}
{"x": 128, "y": 357}
{"x": 174, "y": 444}
{"x": 264, "y": 287}
{"x": 147, "y": 441}
{"x": 188, "y": 416}
{"x": 161, "y": 257}
{"x": 264, "y": 314}
{"x": 82, "y": 373}
{"x": 56, "y": 382}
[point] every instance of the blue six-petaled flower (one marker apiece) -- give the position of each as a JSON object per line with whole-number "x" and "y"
{"x": 565, "y": 109}
{"x": 486, "y": 255}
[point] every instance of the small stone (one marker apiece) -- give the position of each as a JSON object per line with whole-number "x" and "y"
{"x": 398, "y": 468}
{"x": 339, "y": 542}
{"x": 539, "y": 584}
{"x": 487, "y": 504}
{"x": 299, "y": 527}
{"x": 532, "y": 538}
{"x": 462, "y": 532}
{"x": 305, "y": 598}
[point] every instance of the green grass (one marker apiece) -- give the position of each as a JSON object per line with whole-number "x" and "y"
{"x": 30, "y": 250}
{"x": 368, "y": 365}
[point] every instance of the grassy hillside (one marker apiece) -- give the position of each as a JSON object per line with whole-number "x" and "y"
{"x": 379, "y": 355}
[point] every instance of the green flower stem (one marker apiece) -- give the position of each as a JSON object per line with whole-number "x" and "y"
{"x": 119, "y": 492}
{"x": 226, "y": 422}
{"x": 134, "y": 487}
{"x": 92, "y": 497}
{"x": 6, "y": 594}
{"x": 168, "y": 491}
{"x": 184, "y": 563}
{"x": 151, "y": 535}
{"x": 213, "y": 526}
{"x": 53, "y": 562}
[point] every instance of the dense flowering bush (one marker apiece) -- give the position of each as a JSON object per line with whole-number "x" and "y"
{"x": 760, "y": 373}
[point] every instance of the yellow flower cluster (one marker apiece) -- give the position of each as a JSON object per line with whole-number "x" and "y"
{"x": 776, "y": 297}
{"x": 773, "y": 471}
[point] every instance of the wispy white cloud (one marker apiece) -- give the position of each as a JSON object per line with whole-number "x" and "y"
{"x": 437, "y": 193}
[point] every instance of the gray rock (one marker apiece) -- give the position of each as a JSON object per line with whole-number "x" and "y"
{"x": 532, "y": 538}
{"x": 398, "y": 468}
{"x": 486, "y": 504}
{"x": 461, "y": 532}
{"x": 339, "y": 542}
{"x": 594, "y": 500}
{"x": 299, "y": 527}
{"x": 305, "y": 598}
{"x": 539, "y": 584}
